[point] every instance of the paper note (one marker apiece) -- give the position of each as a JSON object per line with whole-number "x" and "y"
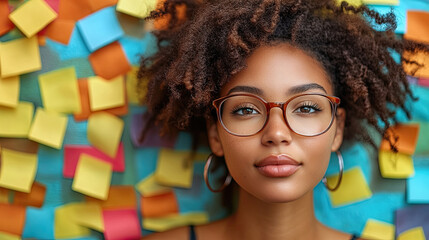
{"x": 19, "y": 56}
{"x": 65, "y": 225}
{"x": 104, "y": 94}
{"x": 12, "y": 218}
{"x": 381, "y": 2}
{"x": 417, "y": 186}
{"x": 92, "y": 177}
{"x": 152, "y": 138}
{"x": 162, "y": 22}
{"x": 121, "y": 224}
{"x": 110, "y": 61}
{"x": 119, "y": 197}
{"x": 412, "y": 234}
{"x": 100, "y": 28}
{"x": 34, "y": 198}
{"x": 96, "y": 5}
{"x": 407, "y": 138}
{"x": 9, "y": 91}
{"x": 59, "y": 90}
{"x": 88, "y": 215}
{"x": 149, "y": 187}
{"x": 85, "y": 107}
{"x": 413, "y": 69}
{"x": 353, "y": 188}
{"x": 8, "y": 236}
{"x": 417, "y": 26}
{"x": 412, "y": 217}
{"x": 395, "y": 165}
{"x": 174, "y": 221}
{"x": 32, "y": 16}
{"x": 74, "y": 9}
{"x": 18, "y": 170}
{"x": 4, "y": 195}
{"x": 48, "y": 128}
{"x": 424, "y": 82}
{"x": 104, "y": 132}
{"x": 378, "y": 230}
{"x": 60, "y": 30}
{"x": 139, "y": 8}
{"x": 39, "y": 223}
{"x": 72, "y": 154}
{"x": 20, "y": 145}
{"x": 423, "y": 141}
{"x": 132, "y": 82}
{"x": 159, "y": 205}
{"x": 15, "y": 122}
{"x": 5, "y": 24}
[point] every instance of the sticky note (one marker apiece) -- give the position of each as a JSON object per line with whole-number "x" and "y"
{"x": 175, "y": 220}
{"x": 88, "y": 215}
{"x": 407, "y": 138}
{"x": 96, "y": 5}
{"x": 65, "y": 225}
{"x": 85, "y": 107}
{"x": 4, "y": 195}
{"x": 121, "y": 224}
{"x": 54, "y": 4}
{"x": 5, "y": 24}
{"x": 417, "y": 26}
{"x": 13, "y": 218}
{"x": 15, "y": 122}
{"x": 72, "y": 154}
{"x": 424, "y": 82}
{"x": 423, "y": 140}
{"x": 110, "y": 61}
{"x": 20, "y": 145}
{"x": 19, "y": 56}
{"x": 174, "y": 168}
{"x": 414, "y": 70}
{"x": 412, "y": 234}
{"x": 411, "y": 217}
{"x": 159, "y": 205}
{"x": 32, "y": 16}
{"x": 74, "y": 9}
{"x": 59, "y": 90}
{"x": 149, "y": 187}
{"x": 8, "y": 236}
{"x": 139, "y": 8}
{"x": 132, "y": 82}
{"x": 100, "y": 28}
{"x": 39, "y": 223}
{"x": 18, "y": 170}
{"x": 162, "y": 22}
{"x": 153, "y": 136}
{"x": 34, "y": 198}
{"x": 9, "y": 91}
{"x": 119, "y": 197}
{"x": 378, "y": 230}
{"x": 92, "y": 177}
{"x": 381, "y": 2}
{"x": 417, "y": 186}
{"x": 395, "y": 165}
{"x": 353, "y": 188}
{"x": 60, "y": 30}
{"x": 48, "y": 128}
{"x": 105, "y": 141}
{"x": 104, "y": 94}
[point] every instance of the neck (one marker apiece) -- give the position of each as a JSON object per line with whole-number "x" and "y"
{"x": 272, "y": 221}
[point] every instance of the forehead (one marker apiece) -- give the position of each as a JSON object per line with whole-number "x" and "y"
{"x": 276, "y": 69}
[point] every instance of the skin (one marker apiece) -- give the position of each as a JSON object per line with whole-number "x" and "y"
{"x": 281, "y": 208}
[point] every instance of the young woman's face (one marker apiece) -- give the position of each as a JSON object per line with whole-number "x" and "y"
{"x": 277, "y": 73}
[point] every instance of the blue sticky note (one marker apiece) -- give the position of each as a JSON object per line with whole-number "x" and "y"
{"x": 100, "y": 28}
{"x": 417, "y": 186}
{"x": 43, "y": 227}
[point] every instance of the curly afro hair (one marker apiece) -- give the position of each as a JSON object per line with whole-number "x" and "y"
{"x": 200, "y": 49}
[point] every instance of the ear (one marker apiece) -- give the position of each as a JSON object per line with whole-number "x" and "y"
{"x": 339, "y": 131}
{"x": 213, "y": 137}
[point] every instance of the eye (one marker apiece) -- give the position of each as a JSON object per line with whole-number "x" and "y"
{"x": 308, "y": 108}
{"x": 244, "y": 111}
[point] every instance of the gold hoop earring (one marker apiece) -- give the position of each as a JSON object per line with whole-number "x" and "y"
{"x": 206, "y": 176}
{"x": 340, "y": 176}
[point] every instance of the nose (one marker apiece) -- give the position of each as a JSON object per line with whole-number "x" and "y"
{"x": 276, "y": 131}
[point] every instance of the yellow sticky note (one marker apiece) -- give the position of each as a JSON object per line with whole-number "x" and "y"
{"x": 89, "y": 215}
{"x": 381, "y": 2}
{"x": 175, "y": 168}
{"x": 32, "y": 16}
{"x": 8, "y": 236}
{"x": 175, "y": 220}
{"x": 48, "y": 128}
{"x": 60, "y": 91}
{"x": 136, "y": 8}
{"x": 105, "y": 94}
{"x": 92, "y": 177}
{"x": 105, "y": 131}
{"x": 353, "y": 188}
{"x": 15, "y": 122}
{"x": 19, "y": 56}
{"x": 412, "y": 234}
{"x": 395, "y": 165}
{"x": 132, "y": 86}
{"x": 18, "y": 170}
{"x": 378, "y": 230}
{"x": 9, "y": 91}
{"x": 65, "y": 225}
{"x": 149, "y": 187}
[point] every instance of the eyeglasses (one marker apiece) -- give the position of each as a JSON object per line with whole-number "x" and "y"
{"x": 305, "y": 114}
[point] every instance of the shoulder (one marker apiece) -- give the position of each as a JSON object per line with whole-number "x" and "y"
{"x": 181, "y": 233}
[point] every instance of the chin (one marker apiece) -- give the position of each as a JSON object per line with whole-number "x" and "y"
{"x": 278, "y": 194}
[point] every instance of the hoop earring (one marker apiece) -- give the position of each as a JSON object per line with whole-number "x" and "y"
{"x": 340, "y": 176}
{"x": 206, "y": 176}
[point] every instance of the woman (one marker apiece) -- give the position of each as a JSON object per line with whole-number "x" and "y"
{"x": 278, "y": 85}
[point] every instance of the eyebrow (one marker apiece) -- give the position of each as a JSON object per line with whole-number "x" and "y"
{"x": 305, "y": 88}
{"x": 247, "y": 89}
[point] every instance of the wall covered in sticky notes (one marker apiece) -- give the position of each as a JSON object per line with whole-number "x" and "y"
{"x": 73, "y": 166}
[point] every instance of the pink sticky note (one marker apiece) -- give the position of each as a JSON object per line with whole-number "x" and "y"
{"x": 121, "y": 224}
{"x": 73, "y": 152}
{"x": 54, "y": 4}
{"x": 424, "y": 82}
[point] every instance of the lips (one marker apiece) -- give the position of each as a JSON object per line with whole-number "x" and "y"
{"x": 277, "y": 166}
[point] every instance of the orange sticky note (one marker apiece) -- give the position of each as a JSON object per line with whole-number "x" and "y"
{"x": 5, "y": 24}
{"x": 60, "y": 30}
{"x": 110, "y": 61}
{"x": 34, "y": 198}
{"x": 417, "y": 26}
{"x": 105, "y": 94}
{"x": 9, "y": 91}
{"x": 120, "y": 197}
{"x": 162, "y": 22}
{"x": 4, "y": 194}
{"x": 12, "y": 218}
{"x": 159, "y": 205}
{"x": 74, "y": 9}
{"x": 96, "y": 5}
{"x": 20, "y": 145}
{"x": 19, "y": 56}
{"x": 407, "y": 134}
{"x": 15, "y": 122}
{"x": 414, "y": 70}
{"x": 48, "y": 128}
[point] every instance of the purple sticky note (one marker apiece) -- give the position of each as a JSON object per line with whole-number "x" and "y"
{"x": 153, "y": 138}
{"x": 412, "y": 80}
{"x": 411, "y": 217}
